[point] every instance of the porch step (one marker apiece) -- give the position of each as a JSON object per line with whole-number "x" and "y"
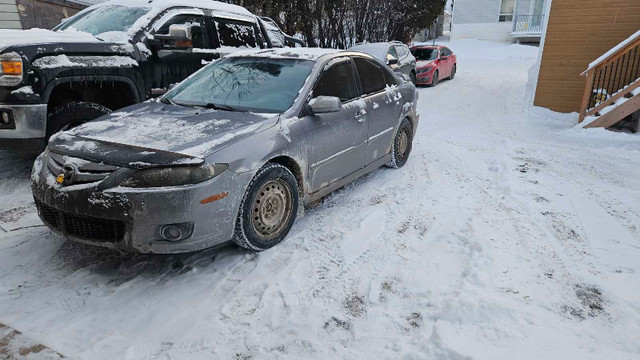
{"x": 621, "y": 109}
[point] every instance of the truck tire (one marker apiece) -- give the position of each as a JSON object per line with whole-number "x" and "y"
{"x": 72, "y": 114}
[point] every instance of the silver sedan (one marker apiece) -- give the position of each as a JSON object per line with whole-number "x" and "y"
{"x": 230, "y": 154}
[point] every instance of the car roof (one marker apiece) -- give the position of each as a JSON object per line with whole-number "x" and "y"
{"x": 313, "y": 54}
{"x": 165, "y": 4}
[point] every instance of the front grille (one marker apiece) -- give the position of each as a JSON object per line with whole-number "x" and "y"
{"x": 78, "y": 171}
{"x": 84, "y": 227}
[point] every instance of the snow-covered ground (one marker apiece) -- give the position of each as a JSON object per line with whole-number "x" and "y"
{"x": 510, "y": 234}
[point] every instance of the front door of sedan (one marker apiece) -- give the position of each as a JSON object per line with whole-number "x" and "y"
{"x": 383, "y": 106}
{"x": 336, "y": 142}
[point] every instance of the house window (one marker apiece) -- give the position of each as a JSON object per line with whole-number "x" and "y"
{"x": 507, "y": 8}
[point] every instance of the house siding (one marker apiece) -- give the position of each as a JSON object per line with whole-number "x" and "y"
{"x": 476, "y": 11}
{"x": 9, "y": 16}
{"x": 578, "y": 32}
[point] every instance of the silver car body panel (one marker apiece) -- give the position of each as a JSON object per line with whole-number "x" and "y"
{"x": 328, "y": 150}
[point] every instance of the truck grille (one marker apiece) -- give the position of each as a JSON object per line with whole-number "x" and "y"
{"x": 84, "y": 227}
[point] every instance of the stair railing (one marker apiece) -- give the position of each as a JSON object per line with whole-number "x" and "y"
{"x": 613, "y": 76}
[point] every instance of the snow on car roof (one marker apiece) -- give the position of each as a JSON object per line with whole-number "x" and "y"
{"x": 163, "y": 4}
{"x": 287, "y": 53}
{"x": 377, "y": 50}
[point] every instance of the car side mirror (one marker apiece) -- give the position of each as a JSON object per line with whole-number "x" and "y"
{"x": 392, "y": 61}
{"x": 444, "y": 57}
{"x": 325, "y": 104}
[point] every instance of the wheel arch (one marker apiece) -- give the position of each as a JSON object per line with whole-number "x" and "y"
{"x": 293, "y": 166}
{"x": 58, "y": 90}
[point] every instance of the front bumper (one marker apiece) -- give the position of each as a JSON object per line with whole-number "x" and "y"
{"x": 28, "y": 121}
{"x": 424, "y": 79}
{"x": 128, "y": 219}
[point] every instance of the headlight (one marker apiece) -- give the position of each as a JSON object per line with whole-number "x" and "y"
{"x": 173, "y": 176}
{"x": 425, "y": 70}
{"x": 10, "y": 69}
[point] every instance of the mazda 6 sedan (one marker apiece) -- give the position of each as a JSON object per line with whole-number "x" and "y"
{"x": 233, "y": 153}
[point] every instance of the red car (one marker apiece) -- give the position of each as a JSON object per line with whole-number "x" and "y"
{"x": 434, "y": 63}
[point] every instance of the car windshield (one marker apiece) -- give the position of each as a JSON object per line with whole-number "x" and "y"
{"x": 425, "y": 54}
{"x": 244, "y": 84}
{"x": 104, "y": 19}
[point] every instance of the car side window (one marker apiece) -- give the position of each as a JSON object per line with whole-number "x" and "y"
{"x": 402, "y": 51}
{"x": 338, "y": 81}
{"x": 389, "y": 78}
{"x": 372, "y": 76}
{"x": 392, "y": 52}
{"x": 197, "y": 24}
{"x": 236, "y": 33}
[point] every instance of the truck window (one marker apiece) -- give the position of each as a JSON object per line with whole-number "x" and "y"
{"x": 236, "y": 34}
{"x": 198, "y": 29}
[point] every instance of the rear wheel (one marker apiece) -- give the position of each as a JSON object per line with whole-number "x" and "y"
{"x": 268, "y": 209}
{"x": 435, "y": 79}
{"x": 453, "y": 72}
{"x": 402, "y": 145}
{"x": 72, "y": 114}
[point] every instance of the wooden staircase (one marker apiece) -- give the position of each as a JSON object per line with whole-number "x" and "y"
{"x": 613, "y": 85}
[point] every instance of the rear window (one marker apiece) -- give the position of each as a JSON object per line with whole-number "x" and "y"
{"x": 236, "y": 34}
{"x": 372, "y": 76}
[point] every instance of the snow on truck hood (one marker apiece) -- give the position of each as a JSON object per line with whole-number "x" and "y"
{"x": 42, "y": 36}
{"x": 188, "y": 133}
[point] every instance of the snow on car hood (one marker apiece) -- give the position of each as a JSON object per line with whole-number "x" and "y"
{"x": 423, "y": 63}
{"x": 42, "y": 36}
{"x": 150, "y": 128}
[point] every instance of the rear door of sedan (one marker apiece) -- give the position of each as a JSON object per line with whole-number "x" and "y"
{"x": 336, "y": 142}
{"x": 382, "y": 103}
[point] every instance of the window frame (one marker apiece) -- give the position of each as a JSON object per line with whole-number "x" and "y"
{"x": 506, "y": 17}
{"x": 354, "y": 75}
{"x": 216, "y": 35}
{"x": 357, "y": 73}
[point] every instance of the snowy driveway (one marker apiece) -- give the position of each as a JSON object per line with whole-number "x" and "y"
{"x": 508, "y": 235}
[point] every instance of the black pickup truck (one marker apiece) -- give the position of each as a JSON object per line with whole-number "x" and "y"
{"x": 116, "y": 54}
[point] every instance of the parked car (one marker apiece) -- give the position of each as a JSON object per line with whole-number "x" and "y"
{"x": 228, "y": 154}
{"x": 112, "y": 55}
{"x": 434, "y": 63}
{"x": 395, "y": 54}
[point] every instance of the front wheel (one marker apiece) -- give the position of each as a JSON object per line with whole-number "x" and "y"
{"x": 268, "y": 208}
{"x": 453, "y": 72}
{"x": 72, "y": 114}
{"x": 413, "y": 77}
{"x": 402, "y": 145}
{"x": 436, "y": 78}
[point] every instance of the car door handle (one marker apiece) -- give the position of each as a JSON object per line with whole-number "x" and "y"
{"x": 361, "y": 116}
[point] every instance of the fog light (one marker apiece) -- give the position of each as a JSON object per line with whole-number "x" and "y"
{"x": 6, "y": 119}
{"x": 174, "y": 232}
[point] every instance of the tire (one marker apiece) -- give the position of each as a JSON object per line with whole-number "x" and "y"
{"x": 453, "y": 72}
{"x": 401, "y": 148}
{"x": 268, "y": 209}
{"x": 414, "y": 78}
{"x": 436, "y": 78}
{"x": 72, "y": 114}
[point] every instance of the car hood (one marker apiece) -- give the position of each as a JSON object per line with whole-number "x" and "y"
{"x": 422, "y": 63}
{"x": 156, "y": 134}
{"x": 10, "y": 38}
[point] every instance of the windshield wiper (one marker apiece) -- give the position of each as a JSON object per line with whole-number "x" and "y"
{"x": 221, "y": 107}
{"x": 164, "y": 100}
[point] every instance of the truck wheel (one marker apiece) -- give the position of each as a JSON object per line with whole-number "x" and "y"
{"x": 268, "y": 209}
{"x": 72, "y": 114}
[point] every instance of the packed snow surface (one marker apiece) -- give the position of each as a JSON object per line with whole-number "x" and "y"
{"x": 511, "y": 233}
